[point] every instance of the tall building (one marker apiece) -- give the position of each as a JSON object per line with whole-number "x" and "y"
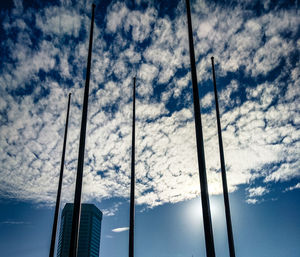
{"x": 89, "y": 231}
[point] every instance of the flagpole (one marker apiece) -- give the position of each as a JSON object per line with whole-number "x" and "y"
{"x": 222, "y": 160}
{"x": 132, "y": 185}
{"x": 78, "y": 188}
{"x": 62, "y": 163}
{"x": 208, "y": 232}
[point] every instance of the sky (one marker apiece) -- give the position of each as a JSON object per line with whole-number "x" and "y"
{"x": 43, "y": 48}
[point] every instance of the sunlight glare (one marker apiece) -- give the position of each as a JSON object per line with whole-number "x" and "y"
{"x": 195, "y": 210}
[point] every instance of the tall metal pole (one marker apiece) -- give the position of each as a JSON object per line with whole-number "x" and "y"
{"x": 62, "y": 163}
{"x": 132, "y": 187}
{"x": 222, "y": 160}
{"x": 77, "y": 197}
{"x": 208, "y": 232}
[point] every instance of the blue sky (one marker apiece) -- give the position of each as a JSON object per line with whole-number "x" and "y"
{"x": 43, "y": 58}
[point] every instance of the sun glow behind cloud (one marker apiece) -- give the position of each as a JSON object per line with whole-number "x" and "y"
{"x": 260, "y": 105}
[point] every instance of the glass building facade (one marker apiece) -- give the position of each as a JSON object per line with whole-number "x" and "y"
{"x": 89, "y": 231}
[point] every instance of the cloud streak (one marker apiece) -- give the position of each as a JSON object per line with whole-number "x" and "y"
{"x": 119, "y": 230}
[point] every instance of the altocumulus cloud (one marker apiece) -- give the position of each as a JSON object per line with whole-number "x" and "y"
{"x": 45, "y": 59}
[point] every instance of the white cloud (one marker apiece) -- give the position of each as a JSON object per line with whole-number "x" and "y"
{"x": 260, "y": 123}
{"x": 252, "y": 201}
{"x": 18, "y": 7}
{"x": 118, "y": 230}
{"x": 147, "y": 72}
{"x": 29, "y": 64}
{"x": 140, "y": 23}
{"x": 59, "y": 21}
{"x": 297, "y": 186}
{"x": 268, "y": 57}
{"x": 116, "y": 16}
{"x": 257, "y": 191}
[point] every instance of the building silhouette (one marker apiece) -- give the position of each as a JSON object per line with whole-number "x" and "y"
{"x": 89, "y": 232}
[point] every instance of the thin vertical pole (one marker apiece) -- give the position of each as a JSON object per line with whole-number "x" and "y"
{"x": 208, "y": 232}
{"x": 62, "y": 164}
{"x": 78, "y": 187}
{"x": 222, "y": 160}
{"x": 132, "y": 187}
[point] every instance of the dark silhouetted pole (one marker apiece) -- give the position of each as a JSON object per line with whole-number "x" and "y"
{"x": 78, "y": 187}
{"x": 208, "y": 232}
{"x": 222, "y": 160}
{"x": 62, "y": 164}
{"x": 132, "y": 185}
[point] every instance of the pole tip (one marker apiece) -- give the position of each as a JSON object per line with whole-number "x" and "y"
{"x": 93, "y": 6}
{"x": 70, "y": 94}
{"x": 212, "y": 57}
